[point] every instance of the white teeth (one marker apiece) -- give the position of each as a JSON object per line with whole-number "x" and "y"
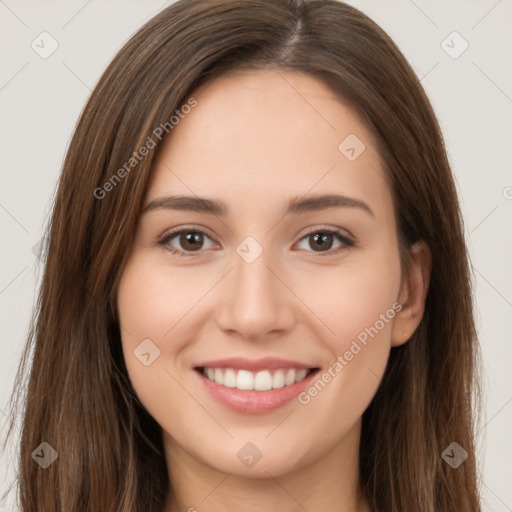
{"x": 263, "y": 381}
{"x": 245, "y": 380}
{"x": 219, "y": 377}
{"x": 300, "y": 374}
{"x": 290, "y": 377}
{"x": 229, "y": 378}
{"x": 278, "y": 379}
{"x": 258, "y": 381}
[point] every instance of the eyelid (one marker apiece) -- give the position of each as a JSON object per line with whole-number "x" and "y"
{"x": 326, "y": 228}
{"x": 347, "y": 240}
{"x": 169, "y": 235}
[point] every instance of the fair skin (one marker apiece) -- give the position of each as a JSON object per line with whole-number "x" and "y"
{"x": 255, "y": 141}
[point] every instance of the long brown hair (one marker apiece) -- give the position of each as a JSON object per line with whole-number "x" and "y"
{"x": 78, "y": 397}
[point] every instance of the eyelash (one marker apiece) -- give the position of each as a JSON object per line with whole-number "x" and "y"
{"x": 347, "y": 242}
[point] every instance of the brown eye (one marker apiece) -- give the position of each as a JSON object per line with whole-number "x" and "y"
{"x": 191, "y": 240}
{"x": 326, "y": 241}
{"x": 321, "y": 241}
{"x": 186, "y": 241}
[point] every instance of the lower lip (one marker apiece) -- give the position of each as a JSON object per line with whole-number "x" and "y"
{"x": 254, "y": 402}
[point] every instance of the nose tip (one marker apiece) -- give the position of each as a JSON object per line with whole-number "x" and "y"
{"x": 254, "y": 302}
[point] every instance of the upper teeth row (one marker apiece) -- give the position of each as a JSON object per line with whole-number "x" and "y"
{"x": 259, "y": 381}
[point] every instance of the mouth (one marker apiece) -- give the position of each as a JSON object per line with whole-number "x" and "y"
{"x": 254, "y": 387}
{"x": 263, "y": 380}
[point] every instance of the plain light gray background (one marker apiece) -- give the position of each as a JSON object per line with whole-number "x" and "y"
{"x": 471, "y": 91}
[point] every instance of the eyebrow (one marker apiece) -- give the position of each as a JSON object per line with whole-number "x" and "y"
{"x": 218, "y": 208}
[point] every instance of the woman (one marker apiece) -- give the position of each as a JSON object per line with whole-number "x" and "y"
{"x": 256, "y": 292}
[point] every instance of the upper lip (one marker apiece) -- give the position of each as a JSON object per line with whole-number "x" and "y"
{"x": 242, "y": 363}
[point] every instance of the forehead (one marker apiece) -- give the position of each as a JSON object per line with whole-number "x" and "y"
{"x": 268, "y": 135}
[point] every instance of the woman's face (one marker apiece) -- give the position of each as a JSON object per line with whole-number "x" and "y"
{"x": 287, "y": 265}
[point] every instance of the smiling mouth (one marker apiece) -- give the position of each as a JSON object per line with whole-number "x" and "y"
{"x": 263, "y": 380}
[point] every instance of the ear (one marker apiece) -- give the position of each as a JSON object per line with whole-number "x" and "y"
{"x": 413, "y": 293}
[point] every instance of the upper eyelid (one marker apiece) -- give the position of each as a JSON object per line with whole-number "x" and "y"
{"x": 203, "y": 229}
{"x": 172, "y": 233}
{"x": 337, "y": 232}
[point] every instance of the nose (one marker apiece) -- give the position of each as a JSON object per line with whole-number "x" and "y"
{"x": 256, "y": 303}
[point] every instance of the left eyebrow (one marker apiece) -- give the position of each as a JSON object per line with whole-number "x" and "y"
{"x": 322, "y": 202}
{"x": 296, "y": 205}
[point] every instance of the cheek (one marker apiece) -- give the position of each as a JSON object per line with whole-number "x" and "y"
{"x": 356, "y": 298}
{"x": 363, "y": 305}
{"x": 152, "y": 307}
{"x": 358, "y": 303}
{"x": 152, "y": 302}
